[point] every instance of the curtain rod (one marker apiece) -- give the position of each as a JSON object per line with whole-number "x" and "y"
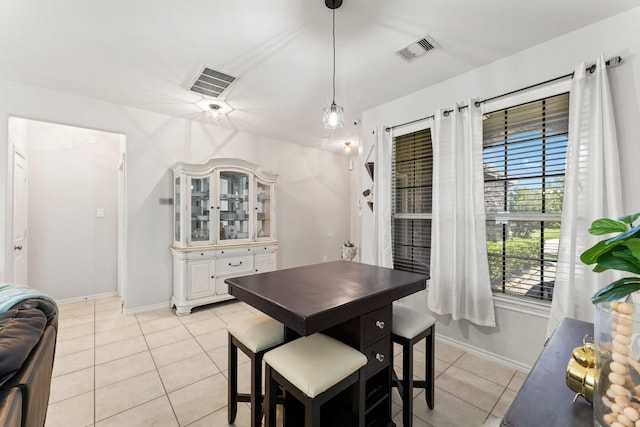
{"x": 616, "y": 60}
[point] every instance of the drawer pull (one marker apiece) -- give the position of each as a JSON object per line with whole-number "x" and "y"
{"x": 380, "y": 324}
{"x": 380, "y": 357}
{"x": 235, "y": 265}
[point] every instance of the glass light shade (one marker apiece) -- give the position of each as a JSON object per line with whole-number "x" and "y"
{"x": 333, "y": 117}
{"x": 215, "y": 113}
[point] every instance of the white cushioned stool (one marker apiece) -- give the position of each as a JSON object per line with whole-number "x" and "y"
{"x": 254, "y": 336}
{"x": 409, "y": 327}
{"x": 314, "y": 369}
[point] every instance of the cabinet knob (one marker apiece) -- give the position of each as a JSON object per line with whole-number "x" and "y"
{"x": 202, "y": 253}
{"x": 380, "y": 324}
{"x": 380, "y": 357}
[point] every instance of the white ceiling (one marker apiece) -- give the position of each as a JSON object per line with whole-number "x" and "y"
{"x": 144, "y": 53}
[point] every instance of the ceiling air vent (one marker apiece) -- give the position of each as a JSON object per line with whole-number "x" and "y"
{"x": 211, "y": 82}
{"x": 418, "y": 48}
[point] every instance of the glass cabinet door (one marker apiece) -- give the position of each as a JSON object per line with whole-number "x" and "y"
{"x": 263, "y": 210}
{"x": 234, "y": 205}
{"x": 176, "y": 210}
{"x": 200, "y": 209}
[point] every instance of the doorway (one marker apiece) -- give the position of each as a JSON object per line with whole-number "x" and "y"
{"x": 75, "y": 209}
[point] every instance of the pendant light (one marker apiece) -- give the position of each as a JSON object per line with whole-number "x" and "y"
{"x": 333, "y": 116}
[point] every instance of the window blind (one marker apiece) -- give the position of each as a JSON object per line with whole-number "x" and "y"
{"x": 524, "y": 165}
{"x": 411, "y": 198}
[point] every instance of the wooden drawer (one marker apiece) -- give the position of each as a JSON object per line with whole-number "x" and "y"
{"x": 233, "y": 252}
{"x": 378, "y": 355}
{"x": 377, "y": 324}
{"x": 234, "y": 265}
{"x": 191, "y": 255}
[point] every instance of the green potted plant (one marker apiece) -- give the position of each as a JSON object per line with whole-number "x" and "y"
{"x": 620, "y": 252}
{"x": 617, "y": 370}
{"x": 349, "y": 250}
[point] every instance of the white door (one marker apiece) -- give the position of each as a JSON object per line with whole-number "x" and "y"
{"x": 19, "y": 218}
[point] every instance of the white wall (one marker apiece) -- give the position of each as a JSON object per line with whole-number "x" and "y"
{"x": 518, "y": 337}
{"x": 72, "y": 173}
{"x": 313, "y": 187}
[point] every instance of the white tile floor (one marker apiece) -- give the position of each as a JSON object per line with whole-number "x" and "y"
{"x": 158, "y": 369}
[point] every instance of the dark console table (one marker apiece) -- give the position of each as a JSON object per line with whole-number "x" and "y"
{"x": 544, "y": 398}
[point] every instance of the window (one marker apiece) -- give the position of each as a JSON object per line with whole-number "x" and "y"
{"x": 524, "y": 165}
{"x": 411, "y": 201}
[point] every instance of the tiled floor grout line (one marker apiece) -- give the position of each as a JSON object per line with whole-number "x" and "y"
{"x": 173, "y": 410}
{"x": 462, "y": 399}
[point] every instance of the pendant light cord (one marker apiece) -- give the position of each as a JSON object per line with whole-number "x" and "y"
{"x": 333, "y": 101}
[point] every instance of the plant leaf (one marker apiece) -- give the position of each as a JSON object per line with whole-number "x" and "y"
{"x": 625, "y": 235}
{"x": 619, "y": 260}
{"x": 606, "y": 226}
{"x": 617, "y": 290}
{"x": 628, "y": 219}
{"x": 634, "y": 246}
{"x": 591, "y": 255}
{"x": 623, "y": 252}
{"x": 599, "y": 269}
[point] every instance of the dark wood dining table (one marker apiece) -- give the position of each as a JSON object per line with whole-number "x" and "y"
{"x": 349, "y": 301}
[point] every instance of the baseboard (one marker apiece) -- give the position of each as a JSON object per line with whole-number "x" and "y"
{"x": 146, "y": 308}
{"x": 86, "y": 298}
{"x": 485, "y": 354}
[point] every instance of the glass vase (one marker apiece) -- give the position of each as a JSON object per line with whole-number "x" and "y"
{"x": 616, "y": 399}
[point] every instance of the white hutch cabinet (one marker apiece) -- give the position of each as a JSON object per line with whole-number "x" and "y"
{"x": 224, "y": 226}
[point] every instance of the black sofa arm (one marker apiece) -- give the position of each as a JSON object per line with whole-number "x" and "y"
{"x": 11, "y": 407}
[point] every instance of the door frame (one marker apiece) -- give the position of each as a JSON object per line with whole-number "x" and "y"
{"x": 18, "y": 152}
{"x": 8, "y": 274}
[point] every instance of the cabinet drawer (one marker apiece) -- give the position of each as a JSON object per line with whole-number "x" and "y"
{"x": 200, "y": 254}
{"x": 377, "y": 324}
{"x": 265, "y": 249}
{"x": 378, "y": 355}
{"x": 233, "y": 252}
{"x": 234, "y": 265}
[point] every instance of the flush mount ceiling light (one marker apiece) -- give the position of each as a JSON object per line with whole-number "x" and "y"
{"x": 333, "y": 116}
{"x": 215, "y": 112}
{"x": 347, "y": 146}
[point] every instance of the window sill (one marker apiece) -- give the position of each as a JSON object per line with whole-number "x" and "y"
{"x": 521, "y": 305}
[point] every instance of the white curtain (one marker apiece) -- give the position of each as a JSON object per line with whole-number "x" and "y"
{"x": 591, "y": 191}
{"x": 383, "y": 245}
{"x": 459, "y": 283}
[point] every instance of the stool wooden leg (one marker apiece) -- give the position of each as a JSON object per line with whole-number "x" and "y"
{"x": 358, "y": 400}
{"x": 429, "y": 368}
{"x": 270, "y": 398}
{"x": 232, "y": 395}
{"x": 256, "y": 390}
{"x": 312, "y": 414}
{"x": 407, "y": 384}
